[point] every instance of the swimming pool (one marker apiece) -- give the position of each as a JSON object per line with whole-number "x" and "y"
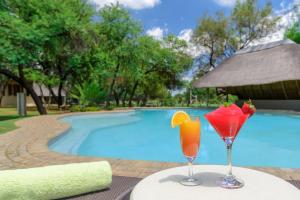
{"x": 267, "y": 140}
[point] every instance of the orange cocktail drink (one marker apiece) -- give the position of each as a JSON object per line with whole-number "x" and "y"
{"x": 190, "y": 142}
{"x": 190, "y": 138}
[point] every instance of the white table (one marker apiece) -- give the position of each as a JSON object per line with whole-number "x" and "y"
{"x": 258, "y": 186}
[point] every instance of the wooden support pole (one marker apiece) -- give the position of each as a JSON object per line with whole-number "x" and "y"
{"x": 252, "y": 92}
{"x": 271, "y": 90}
{"x": 298, "y": 88}
{"x": 244, "y": 89}
{"x": 284, "y": 90}
{"x": 207, "y": 98}
{"x": 261, "y": 91}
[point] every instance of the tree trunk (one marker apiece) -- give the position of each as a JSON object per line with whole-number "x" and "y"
{"x": 42, "y": 93}
{"x": 2, "y": 90}
{"x": 117, "y": 99}
{"x": 207, "y": 98}
{"x": 124, "y": 99}
{"x": 138, "y": 102}
{"x": 107, "y": 104}
{"x": 52, "y": 95}
{"x": 112, "y": 85}
{"x": 59, "y": 95}
{"x": 132, "y": 93}
{"x": 29, "y": 89}
{"x": 144, "y": 101}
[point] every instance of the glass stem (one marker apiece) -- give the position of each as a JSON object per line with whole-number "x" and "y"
{"x": 229, "y": 160}
{"x": 190, "y": 166}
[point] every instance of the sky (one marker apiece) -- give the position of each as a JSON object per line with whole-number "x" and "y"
{"x": 160, "y": 17}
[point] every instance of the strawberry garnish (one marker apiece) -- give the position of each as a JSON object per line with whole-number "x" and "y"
{"x": 248, "y": 108}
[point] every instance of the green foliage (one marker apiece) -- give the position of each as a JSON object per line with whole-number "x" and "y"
{"x": 46, "y": 41}
{"x": 132, "y": 66}
{"x": 79, "y": 108}
{"x": 88, "y": 94}
{"x": 20, "y": 40}
{"x": 92, "y": 109}
{"x": 212, "y": 33}
{"x": 76, "y": 108}
{"x": 55, "y": 43}
{"x": 117, "y": 45}
{"x": 168, "y": 101}
{"x": 250, "y": 22}
{"x": 110, "y": 108}
{"x": 293, "y": 33}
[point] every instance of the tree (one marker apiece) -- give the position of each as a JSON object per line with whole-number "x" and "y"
{"x": 221, "y": 36}
{"x": 163, "y": 65}
{"x": 212, "y": 33}
{"x": 41, "y": 80}
{"x": 293, "y": 33}
{"x": 117, "y": 36}
{"x": 57, "y": 44}
{"x": 250, "y": 22}
{"x": 147, "y": 55}
{"x": 20, "y": 43}
{"x": 70, "y": 38}
{"x": 50, "y": 38}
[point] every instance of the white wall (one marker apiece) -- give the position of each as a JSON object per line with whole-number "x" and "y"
{"x": 11, "y": 100}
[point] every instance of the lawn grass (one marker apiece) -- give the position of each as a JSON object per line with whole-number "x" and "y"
{"x": 8, "y": 117}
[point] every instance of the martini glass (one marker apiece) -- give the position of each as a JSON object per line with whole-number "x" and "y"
{"x": 227, "y": 122}
{"x": 190, "y": 142}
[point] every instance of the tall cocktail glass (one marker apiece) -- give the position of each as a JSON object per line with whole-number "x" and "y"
{"x": 227, "y": 121}
{"x": 190, "y": 144}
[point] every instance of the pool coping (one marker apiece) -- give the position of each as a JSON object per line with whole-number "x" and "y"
{"x": 27, "y": 147}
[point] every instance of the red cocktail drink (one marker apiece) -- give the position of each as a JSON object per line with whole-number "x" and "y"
{"x": 227, "y": 121}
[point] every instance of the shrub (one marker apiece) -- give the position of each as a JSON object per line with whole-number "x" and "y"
{"x": 79, "y": 108}
{"x": 76, "y": 108}
{"x": 88, "y": 94}
{"x": 92, "y": 109}
{"x": 110, "y": 108}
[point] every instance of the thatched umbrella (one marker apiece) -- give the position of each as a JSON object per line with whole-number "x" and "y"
{"x": 270, "y": 71}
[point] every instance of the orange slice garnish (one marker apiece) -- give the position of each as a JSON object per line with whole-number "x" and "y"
{"x": 179, "y": 118}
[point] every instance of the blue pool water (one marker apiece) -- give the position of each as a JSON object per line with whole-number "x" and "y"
{"x": 265, "y": 140}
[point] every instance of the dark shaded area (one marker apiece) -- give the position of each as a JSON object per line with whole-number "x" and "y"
{"x": 284, "y": 90}
{"x": 9, "y": 117}
{"x": 122, "y": 187}
{"x": 120, "y": 190}
{"x": 296, "y": 183}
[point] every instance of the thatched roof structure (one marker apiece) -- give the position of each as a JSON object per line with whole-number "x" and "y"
{"x": 270, "y": 71}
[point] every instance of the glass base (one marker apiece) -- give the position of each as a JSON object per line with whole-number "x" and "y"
{"x": 230, "y": 182}
{"x": 190, "y": 182}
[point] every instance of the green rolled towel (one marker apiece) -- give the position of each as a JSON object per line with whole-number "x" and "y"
{"x": 54, "y": 182}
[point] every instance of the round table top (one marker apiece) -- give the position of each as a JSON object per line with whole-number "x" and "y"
{"x": 165, "y": 185}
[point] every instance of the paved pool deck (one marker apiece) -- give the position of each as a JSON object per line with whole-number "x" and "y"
{"x": 27, "y": 147}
